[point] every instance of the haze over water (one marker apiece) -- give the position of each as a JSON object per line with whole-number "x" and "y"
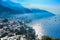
{"x": 46, "y": 24}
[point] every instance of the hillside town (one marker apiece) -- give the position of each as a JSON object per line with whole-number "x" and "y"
{"x": 15, "y": 30}
{"x": 19, "y": 30}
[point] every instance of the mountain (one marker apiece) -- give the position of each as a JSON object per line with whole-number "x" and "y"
{"x": 10, "y": 9}
{"x": 5, "y": 9}
{"x": 13, "y": 7}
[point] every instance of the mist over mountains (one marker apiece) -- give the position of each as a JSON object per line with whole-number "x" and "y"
{"x": 9, "y": 9}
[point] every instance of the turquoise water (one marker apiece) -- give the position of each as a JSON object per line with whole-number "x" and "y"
{"x": 51, "y": 26}
{"x": 50, "y": 22}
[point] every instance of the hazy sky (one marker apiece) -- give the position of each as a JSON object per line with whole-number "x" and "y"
{"x": 54, "y": 2}
{"x": 50, "y": 5}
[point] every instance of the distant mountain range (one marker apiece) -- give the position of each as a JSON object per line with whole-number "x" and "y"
{"x": 12, "y": 7}
{"x": 9, "y": 8}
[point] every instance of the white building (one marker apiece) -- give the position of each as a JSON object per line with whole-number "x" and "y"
{"x": 19, "y": 37}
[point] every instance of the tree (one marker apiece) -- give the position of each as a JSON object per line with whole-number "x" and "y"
{"x": 57, "y": 38}
{"x": 30, "y": 35}
{"x": 5, "y": 20}
{"x": 1, "y": 26}
{"x": 3, "y": 35}
{"x": 46, "y": 38}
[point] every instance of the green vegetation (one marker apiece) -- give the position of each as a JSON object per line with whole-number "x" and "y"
{"x": 48, "y": 38}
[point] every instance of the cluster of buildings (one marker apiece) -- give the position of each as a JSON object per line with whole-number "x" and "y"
{"x": 6, "y": 25}
{"x": 8, "y": 29}
{"x": 16, "y": 37}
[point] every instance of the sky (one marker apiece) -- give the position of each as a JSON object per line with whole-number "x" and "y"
{"x": 50, "y": 5}
{"x": 54, "y": 2}
{"x": 37, "y": 2}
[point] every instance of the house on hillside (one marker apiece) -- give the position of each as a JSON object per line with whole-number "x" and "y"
{"x": 17, "y": 37}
